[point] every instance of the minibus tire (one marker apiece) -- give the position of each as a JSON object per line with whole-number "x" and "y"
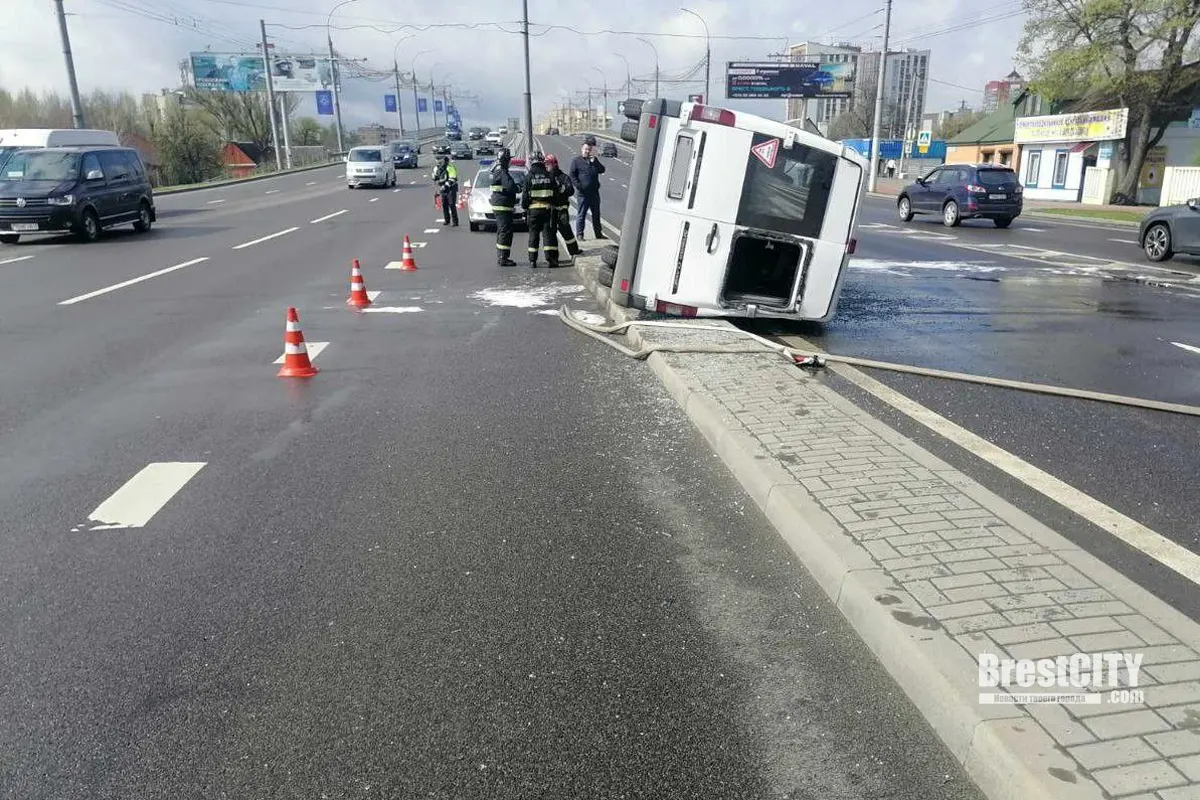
{"x": 633, "y": 109}
{"x": 629, "y": 132}
{"x": 609, "y": 256}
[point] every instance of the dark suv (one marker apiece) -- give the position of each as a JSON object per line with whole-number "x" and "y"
{"x": 964, "y": 191}
{"x": 77, "y": 189}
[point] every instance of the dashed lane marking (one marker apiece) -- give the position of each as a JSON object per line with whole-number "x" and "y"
{"x": 131, "y": 282}
{"x": 311, "y": 183}
{"x": 214, "y": 202}
{"x": 374, "y": 294}
{"x": 394, "y": 191}
{"x": 1032, "y": 230}
{"x": 328, "y": 216}
{"x": 412, "y": 183}
{"x": 314, "y": 349}
{"x": 624, "y": 186}
{"x": 432, "y": 230}
{"x": 271, "y": 191}
{"x": 275, "y": 235}
{"x": 143, "y": 495}
{"x": 373, "y": 200}
{"x": 1189, "y": 347}
{"x": 1124, "y": 241}
{"x": 15, "y": 260}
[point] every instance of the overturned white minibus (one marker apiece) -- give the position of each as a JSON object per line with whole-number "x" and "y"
{"x": 734, "y": 215}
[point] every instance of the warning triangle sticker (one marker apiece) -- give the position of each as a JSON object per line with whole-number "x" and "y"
{"x": 766, "y": 152}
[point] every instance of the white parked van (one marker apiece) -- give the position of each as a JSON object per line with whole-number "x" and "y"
{"x": 370, "y": 166}
{"x": 733, "y": 215}
{"x": 15, "y": 139}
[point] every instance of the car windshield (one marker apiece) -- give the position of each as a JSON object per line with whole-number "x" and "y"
{"x": 484, "y": 178}
{"x": 42, "y": 166}
{"x": 366, "y": 155}
{"x": 997, "y": 177}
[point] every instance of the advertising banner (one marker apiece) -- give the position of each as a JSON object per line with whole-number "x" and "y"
{"x": 766, "y": 80}
{"x": 1089, "y": 126}
{"x": 422, "y": 104}
{"x": 325, "y": 102}
{"x": 389, "y": 103}
{"x": 437, "y": 105}
{"x": 244, "y": 72}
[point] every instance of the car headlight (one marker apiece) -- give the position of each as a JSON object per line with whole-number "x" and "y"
{"x": 61, "y": 200}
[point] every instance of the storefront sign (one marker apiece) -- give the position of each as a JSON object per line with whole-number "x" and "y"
{"x": 1090, "y": 126}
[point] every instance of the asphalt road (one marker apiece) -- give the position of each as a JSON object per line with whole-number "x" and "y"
{"x": 929, "y": 296}
{"x": 477, "y": 555}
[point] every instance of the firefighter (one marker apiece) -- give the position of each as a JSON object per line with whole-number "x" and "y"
{"x": 563, "y": 189}
{"x": 537, "y": 198}
{"x": 503, "y": 201}
{"x": 445, "y": 178}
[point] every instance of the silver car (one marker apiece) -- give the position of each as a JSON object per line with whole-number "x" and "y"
{"x": 479, "y": 206}
{"x": 370, "y": 166}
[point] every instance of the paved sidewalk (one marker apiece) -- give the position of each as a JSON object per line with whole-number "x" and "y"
{"x": 933, "y": 570}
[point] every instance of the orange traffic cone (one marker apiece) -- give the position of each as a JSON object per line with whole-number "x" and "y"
{"x": 437, "y": 201}
{"x": 407, "y": 262}
{"x": 296, "y": 363}
{"x": 358, "y": 290}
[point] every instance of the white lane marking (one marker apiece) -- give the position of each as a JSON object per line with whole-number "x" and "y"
{"x": 394, "y": 191}
{"x": 271, "y": 191}
{"x": 276, "y": 235}
{"x": 1032, "y": 230}
{"x": 214, "y": 202}
{"x": 393, "y": 310}
{"x": 605, "y": 223}
{"x": 311, "y": 183}
{"x": 15, "y": 260}
{"x": 624, "y": 186}
{"x": 1133, "y": 533}
{"x": 1189, "y": 347}
{"x": 373, "y": 294}
{"x": 1124, "y": 241}
{"x": 314, "y": 349}
{"x": 373, "y": 200}
{"x": 412, "y": 183}
{"x": 328, "y": 216}
{"x": 432, "y": 230}
{"x": 143, "y": 495}
{"x": 130, "y": 282}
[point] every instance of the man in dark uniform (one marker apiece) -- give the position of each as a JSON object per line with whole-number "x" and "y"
{"x": 585, "y": 173}
{"x": 537, "y": 198}
{"x": 446, "y": 180}
{"x": 562, "y": 203}
{"x": 503, "y": 201}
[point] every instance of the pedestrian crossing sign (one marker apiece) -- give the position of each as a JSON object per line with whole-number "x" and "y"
{"x": 766, "y": 152}
{"x": 923, "y": 140}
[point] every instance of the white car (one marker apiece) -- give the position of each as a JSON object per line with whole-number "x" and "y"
{"x": 370, "y": 166}
{"x": 494, "y": 137}
{"x": 479, "y": 194}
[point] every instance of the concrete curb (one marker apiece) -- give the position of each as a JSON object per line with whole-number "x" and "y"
{"x": 1003, "y": 749}
{"x": 168, "y": 190}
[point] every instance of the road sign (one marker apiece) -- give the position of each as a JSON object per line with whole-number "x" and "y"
{"x": 758, "y": 80}
{"x": 389, "y": 103}
{"x": 924, "y": 138}
{"x": 325, "y": 103}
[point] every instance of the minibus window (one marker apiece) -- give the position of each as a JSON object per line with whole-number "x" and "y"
{"x": 793, "y": 196}
{"x": 680, "y": 165}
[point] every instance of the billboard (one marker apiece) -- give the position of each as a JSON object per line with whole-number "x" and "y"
{"x": 389, "y": 103}
{"x": 1089, "y": 126}
{"x": 243, "y": 72}
{"x": 325, "y": 102}
{"x": 770, "y": 80}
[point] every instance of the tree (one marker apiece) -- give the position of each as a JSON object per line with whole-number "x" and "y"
{"x": 957, "y": 123}
{"x": 241, "y": 116}
{"x": 1138, "y": 54}
{"x": 852, "y": 124}
{"x": 189, "y": 150}
{"x": 307, "y": 132}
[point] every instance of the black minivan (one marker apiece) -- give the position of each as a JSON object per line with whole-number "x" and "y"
{"x": 78, "y": 189}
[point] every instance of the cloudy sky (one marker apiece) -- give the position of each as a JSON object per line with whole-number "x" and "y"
{"x": 137, "y": 44}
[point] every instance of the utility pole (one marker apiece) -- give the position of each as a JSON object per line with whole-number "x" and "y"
{"x": 399, "y": 105}
{"x": 527, "y": 111}
{"x": 416, "y": 103}
{"x": 337, "y": 100}
{"x": 76, "y": 105}
{"x": 887, "y": 32}
{"x": 908, "y": 119}
{"x": 433, "y": 104}
{"x": 262, "y": 27}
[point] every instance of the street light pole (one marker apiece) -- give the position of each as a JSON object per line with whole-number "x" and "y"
{"x": 707, "y": 56}
{"x": 527, "y": 110}
{"x": 76, "y": 105}
{"x": 262, "y": 27}
{"x": 887, "y": 31}
{"x": 604, "y": 114}
{"x": 655, "y": 49}
{"x": 628, "y": 75}
{"x": 396, "y": 69}
{"x": 333, "y": 65}
{"x": 416, "y": 101}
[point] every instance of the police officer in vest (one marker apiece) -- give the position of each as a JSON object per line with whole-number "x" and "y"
{"x": 446, "y": 180}
{"x": 537, "y": 198}
{"x": 503, "y": 201}
{"x": 563, "y": 189}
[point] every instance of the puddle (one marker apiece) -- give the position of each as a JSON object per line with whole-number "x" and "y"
{"x": 526, "y": 297}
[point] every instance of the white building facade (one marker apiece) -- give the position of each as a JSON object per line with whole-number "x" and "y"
{"x": 1057, "y": 151}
